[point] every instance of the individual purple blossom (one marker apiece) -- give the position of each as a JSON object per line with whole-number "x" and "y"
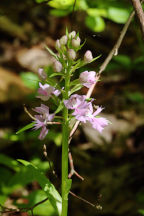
{"x": 45, "y": 91}
{"x": 42, "y": 119}
{"x": 75, "y": 101}
{"x": 42, "y": 74}
{"x": 86, "y": 113}
{"x": 88, "y": 78}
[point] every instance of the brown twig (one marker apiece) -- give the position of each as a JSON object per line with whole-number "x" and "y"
{"x": 10, "y": 210}
{"x": 72, "y": 169}
{"x": 140, "y": 14}
{"x": 113, "y": 52}
{"x": 32, "y": 117}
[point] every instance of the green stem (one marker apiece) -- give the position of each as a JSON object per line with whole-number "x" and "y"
{"x": 65, "y": 137}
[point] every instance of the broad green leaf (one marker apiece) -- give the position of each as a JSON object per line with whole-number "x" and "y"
{"x": 59, "y": 13}
{"x": 40, "y": 1}
{"x": 9, "y": 162}
{"x": 31, "y": 173}
{"x": 44, "y": 209}
{"x": 97, "y": 12}
{"x": 118, "y": 15}
{"x": 25, "y": 128}
{"x": 30, "y": 79}
{"x": 96, "y": 24}
{"x": 141, "y": 211}
{"x": 3, "y": 198}
{"x": 124, "y": 60}
{"x": 61, "y": 4}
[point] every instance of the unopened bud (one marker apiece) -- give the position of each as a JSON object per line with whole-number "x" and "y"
{"x": 71, "y": 54}
{"x": 57, "y": 66}
{"x": 42, "y": 74}
{"x": 88, "y": 56}
{"x": 72, "y": 34}
{"x": 63, "y": 40}
{"x": 57, "y": 44}
{"x": 76, "y": 42}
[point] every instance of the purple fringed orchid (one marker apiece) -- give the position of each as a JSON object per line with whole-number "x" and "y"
{"x": 42, "y": 119}
{"x": 45, "y": 91}
{"x": 88, "y": 78}
{"x": 75, "y": 101}
{"x": 83, "y": 111}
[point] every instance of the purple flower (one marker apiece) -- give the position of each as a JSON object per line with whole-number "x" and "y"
{"x": 75, "y": 101}
{"x": 42, "y": 119}
{"x": 88, "y": 78}
{"x": 45, "y": 91}
{"x": 83, "y": 111}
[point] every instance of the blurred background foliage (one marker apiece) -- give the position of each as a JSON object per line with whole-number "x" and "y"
{"x": 112, "y": 164}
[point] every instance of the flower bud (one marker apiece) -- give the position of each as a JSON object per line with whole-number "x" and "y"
{"x": 57, "y": 66}
{"x": 57, "y": 44}
{"x": 76, "y": 42}
{"x": 88, "y": 56}
{"x": 71, "y": 54}
{"x": 72, "y": 34}
{"x": 42, "y": 74}
{"x": 88, "y": 78}
{"x": 63, "y": 40}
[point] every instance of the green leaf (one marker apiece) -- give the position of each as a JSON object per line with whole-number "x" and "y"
{"x": 68, "y": 185}
{"x": 61, "y": 4}
{"x": 75, "y": 88}
{"x": 96, "y": 12}
{"x": 96, "y": 24}
{"x": 44, "y": 209}
{"x": 25, "y": 128}
{"x": 40, "y": 1}
{"x": 94, "y": 59}
{"x": 51, "y": 52}
{"x": 30, "y": 79}
{"x": 9, "y": 162}
{"x": 31, "y": 173}
{"x": 123, "y": 60}
{"x": 141, "y": 211}
{"x": 60, "y": 107}
{"x": 56, "y": 74}
{"x": 118, "y": 15}
{"x": 75, "y": 82}
{"x": 59, "y": 13}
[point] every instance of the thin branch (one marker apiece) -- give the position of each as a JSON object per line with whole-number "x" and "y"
{"x": 99, "y": 207}
{"x": 113, "y": 52}
{"x": 32, "y": 117}
{"x": 72, "y": 169}
{"x": 10, "y": 210}
{"x": 140, "y": 14}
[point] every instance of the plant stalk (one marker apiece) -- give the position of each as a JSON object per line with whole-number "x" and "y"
{"x": 65, "y": 138}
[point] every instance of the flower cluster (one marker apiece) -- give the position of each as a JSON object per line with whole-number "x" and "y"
{"x": 83, "y": 111}
{"x": 64, "y": 65}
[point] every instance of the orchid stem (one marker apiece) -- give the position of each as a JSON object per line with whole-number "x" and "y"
{"x": 65, "y": 138}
